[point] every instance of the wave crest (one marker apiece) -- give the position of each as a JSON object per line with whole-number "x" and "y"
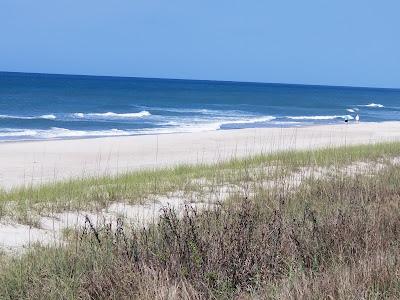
{"x": 113, "y": 115}
{"x": 47, "y": 117}
{"x": 375, "y": 105}
{"x": 249, "y": 120}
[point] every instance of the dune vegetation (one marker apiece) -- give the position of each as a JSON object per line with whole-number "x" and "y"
{"x": 317, "y": 224}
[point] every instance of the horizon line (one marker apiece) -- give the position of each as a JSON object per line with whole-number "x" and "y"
{"x": 201, "y": 80}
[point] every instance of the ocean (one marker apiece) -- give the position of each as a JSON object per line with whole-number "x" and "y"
{"x": 43, "y": 106}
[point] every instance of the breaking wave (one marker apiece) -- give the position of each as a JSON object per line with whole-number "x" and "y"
{"x": 47, "y": 117}
{"x": 173, "y": 127}
{"x": 113, "y": 115}
{"x": 374, "y": 105}
{"x": 56, "y": 132}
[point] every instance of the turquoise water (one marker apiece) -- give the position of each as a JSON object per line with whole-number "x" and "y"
{"x": 41, "y": 106}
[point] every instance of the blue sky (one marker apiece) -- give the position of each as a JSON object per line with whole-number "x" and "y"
{"x": 337, "y": 42}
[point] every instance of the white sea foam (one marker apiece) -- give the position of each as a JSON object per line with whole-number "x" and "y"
{"x": 319, "y": 117}
{"x": 7, "y": 132}
{"x": 175, "y": 127}
{"x": 113, "y": 115}
{"x": 199, "y": 125}
{"x": 178, "y": 125}
{"x": 79, "y": 115}
{"x": 56, "y": 132}
{"x": 211, "y": 123}
{"x": 374, "y": 105}
{"x": 181, "y": 110}
{"x": 200, "y": 111}
{"x": 249, "y": 120}
{"x": 350, "y": 110}
{"x": 48, "y": 117}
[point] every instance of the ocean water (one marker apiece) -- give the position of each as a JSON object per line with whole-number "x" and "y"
{"x": 39, "y": 106}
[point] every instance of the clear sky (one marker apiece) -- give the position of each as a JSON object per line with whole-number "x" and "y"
{"x": 337, "y": 42}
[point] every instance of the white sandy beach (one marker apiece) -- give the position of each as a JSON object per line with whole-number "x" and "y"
{"x": 47, "y": 161}
{"x": 26, "y": 163}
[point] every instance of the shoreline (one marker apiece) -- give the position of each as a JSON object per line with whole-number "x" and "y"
{"x": 28, "y": 163}
{"x": 188, "y": 132}
{"x": 89, "y": 137}
{"x": 163, "y": 133}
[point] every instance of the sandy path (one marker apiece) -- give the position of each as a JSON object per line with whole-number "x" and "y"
{"x": 46, "y": 161}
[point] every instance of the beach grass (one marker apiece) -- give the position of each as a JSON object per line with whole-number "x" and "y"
{"x": 326, "y": 237}
{"x": 95, "y": 193}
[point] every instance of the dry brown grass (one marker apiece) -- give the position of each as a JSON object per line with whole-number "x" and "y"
{"x": 332, "y": 239}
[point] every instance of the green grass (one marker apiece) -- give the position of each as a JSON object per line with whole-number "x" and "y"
{"x": 329, "y": 238}
{"x": 135, "y": 187}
